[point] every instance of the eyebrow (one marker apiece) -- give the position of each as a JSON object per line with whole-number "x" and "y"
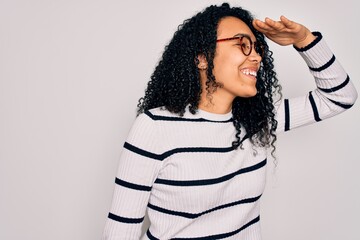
{"x": 244, "y": 34}
{"x": 241, "y": 34}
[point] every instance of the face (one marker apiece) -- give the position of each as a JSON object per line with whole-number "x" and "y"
{"x": 234, "y": 70}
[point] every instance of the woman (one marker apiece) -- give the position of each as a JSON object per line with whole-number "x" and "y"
{"x": 195, "y": 157}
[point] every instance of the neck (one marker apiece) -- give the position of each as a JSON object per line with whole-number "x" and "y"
{"x": 216, "y": 102}
{"x": 219, "y": 101}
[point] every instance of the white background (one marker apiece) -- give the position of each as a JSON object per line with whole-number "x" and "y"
{"x": 71, "y": 73}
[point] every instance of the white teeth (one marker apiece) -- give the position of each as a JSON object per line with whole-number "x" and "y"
{"x": 249, "y": 72}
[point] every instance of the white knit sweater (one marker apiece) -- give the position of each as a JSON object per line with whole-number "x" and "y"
{"x": 183, "y": 171}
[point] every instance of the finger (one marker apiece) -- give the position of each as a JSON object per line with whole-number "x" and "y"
{"x": 255, "y": 24}
{"x": 262, "y": 25}
{"x": 269, "y": 21}
{"x": 287, "y": 23}
{"x": 274, "y": 24}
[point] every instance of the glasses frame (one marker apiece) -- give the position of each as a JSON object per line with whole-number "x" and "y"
{"x": 252, "y": 44}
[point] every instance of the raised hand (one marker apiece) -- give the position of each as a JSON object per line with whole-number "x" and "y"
{"x": 285, "y": 32}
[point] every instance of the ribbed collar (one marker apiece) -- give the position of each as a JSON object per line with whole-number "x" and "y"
{"x": 213, "y": 116}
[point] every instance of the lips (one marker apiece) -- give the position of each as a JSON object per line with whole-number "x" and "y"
{"x": 249, "y": 72}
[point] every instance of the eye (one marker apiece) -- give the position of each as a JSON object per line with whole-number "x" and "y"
{"x": 247, "y": 46}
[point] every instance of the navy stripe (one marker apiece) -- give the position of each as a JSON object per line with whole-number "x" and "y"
{"x": 176, "y": 150}
{"x": 150, "y": 236}
{"x": 142, "y": 152}
{"x": 203, "y": 182}
{"x": 217, "y": 236}
{"x": 124, "y": 219}
{"x": 328, "y": 64}
{"x": 314, "y": 108}
{"x": 196, "y": 215}
{"x": 287, "y": 115}
{"x": 345, "y": 106}
{"x": 334, "y": 89}
{"x": 132, "y": 185}
{"x": 313, "y": 43}
{"x": 179, "y": 119}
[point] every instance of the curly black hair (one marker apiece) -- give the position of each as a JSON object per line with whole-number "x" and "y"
{"x": 175, "y": 83}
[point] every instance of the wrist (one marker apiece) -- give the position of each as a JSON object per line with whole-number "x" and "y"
{"x": 309, "y": 38}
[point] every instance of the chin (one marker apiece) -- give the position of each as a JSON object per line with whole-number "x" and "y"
{"x": 248, "y": 94}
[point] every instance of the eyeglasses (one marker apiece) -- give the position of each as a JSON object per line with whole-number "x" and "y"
{"x": 246, "y": 44}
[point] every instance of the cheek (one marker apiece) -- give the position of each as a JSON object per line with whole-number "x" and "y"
{"x": 227, "y": 62}
{"x": 227, "y": 66}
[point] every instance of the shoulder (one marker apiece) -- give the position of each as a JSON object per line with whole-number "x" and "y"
{"x": 151, "y": 122}
{"x": 147, "y": 133}
{"x": 160, "y": 113}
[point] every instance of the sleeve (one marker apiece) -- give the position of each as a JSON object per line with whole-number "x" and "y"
{"x": 334, "y": 94}
{"x": 138, "y": 167}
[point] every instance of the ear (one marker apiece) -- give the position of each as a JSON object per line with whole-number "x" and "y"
{"x": 201, "y": 61}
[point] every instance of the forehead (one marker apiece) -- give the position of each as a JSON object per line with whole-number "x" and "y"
{"x": 230, "y": 26}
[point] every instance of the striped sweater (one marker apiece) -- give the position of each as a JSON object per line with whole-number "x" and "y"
{"x": 193, "y": 185}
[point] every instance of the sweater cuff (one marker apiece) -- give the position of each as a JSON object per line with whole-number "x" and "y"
{"x": 317, "y": 53}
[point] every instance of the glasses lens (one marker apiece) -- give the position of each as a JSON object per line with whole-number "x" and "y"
{"x": 246, "y": 45}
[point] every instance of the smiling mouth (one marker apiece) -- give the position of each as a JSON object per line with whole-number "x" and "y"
{"x": 249, "y": 72}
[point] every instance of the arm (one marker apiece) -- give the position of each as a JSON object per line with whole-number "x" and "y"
{"x": 137, "y": 171}
{"x": 334, "y": 93}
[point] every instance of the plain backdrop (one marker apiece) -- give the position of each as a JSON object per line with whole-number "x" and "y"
{"x": 71, "y": 72}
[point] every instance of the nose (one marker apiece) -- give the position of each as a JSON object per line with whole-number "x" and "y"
{"x": 254, "y": 56}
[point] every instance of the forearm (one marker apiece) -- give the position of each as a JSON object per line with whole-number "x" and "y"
{"x": 334, "y": 94}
